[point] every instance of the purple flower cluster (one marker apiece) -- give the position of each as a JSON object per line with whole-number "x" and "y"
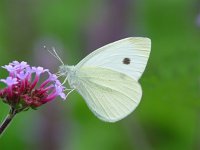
{"x": 23, "y": 89}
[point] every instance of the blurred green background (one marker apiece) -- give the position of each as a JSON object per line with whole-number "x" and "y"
{"x": 168, "y": 117}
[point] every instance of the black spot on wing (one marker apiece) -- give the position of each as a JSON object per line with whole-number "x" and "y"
{"x": 126, "y": 61}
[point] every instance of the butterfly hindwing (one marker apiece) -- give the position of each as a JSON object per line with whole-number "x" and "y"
{"x": 109, "y": 94}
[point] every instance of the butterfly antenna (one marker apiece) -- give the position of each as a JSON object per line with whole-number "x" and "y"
{"x": 54, "y": 54}
{"x": 58, "y": 57}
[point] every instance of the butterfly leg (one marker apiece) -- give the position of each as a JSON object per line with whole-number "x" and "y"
{"x": 64, "y": 81}
{"x": 69, "y": 92}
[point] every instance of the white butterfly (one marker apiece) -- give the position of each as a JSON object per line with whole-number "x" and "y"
{"x": 108, "y": 77}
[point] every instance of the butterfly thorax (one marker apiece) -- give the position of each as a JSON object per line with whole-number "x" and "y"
{"x": 69, "y": 72}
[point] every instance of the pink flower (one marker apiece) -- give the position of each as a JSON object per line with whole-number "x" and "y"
{"x": 23, "y": 89}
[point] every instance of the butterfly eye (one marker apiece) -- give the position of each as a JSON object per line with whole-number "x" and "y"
{"x": 126, "y": 61}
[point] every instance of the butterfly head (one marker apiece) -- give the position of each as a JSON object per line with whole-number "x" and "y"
{"x": 69, "y": 73}
{"x": 65, "y": 70}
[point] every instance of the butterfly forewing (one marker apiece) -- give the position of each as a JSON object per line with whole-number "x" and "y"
{"x": 128, "y": 56}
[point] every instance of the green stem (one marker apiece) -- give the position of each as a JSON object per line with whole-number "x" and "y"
{"x": 7, "y": 120}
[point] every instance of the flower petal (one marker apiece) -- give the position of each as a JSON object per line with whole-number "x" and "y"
{"x": 9, "y": 81}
